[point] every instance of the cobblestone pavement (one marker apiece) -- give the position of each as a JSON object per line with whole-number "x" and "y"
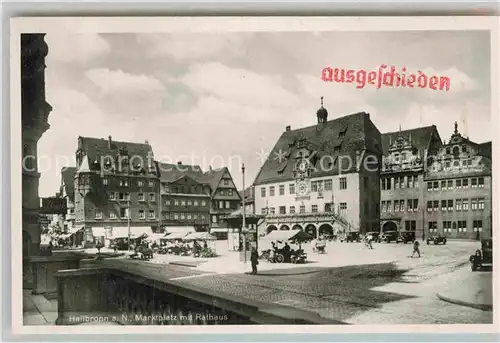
{"x": 402, "y": 291}
{"x": 165, "y": 271}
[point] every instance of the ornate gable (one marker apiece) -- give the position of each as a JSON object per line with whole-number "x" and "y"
{"x": 402, "y": 154}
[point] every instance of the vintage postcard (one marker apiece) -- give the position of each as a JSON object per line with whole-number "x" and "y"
{"x": 211, "y": 175}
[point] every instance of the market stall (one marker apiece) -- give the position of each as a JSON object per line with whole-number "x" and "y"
{"x": 285, "y": 246}
{"x": 197, "y": 249}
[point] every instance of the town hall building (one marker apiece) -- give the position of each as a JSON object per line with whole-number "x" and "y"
{"x": 323, "y": 179}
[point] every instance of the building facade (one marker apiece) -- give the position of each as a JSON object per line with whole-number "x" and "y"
{"x": 185, "y": 197}
{"x": 323, "y": 179}
{"x": 407, "y": 154}
{"x": 34, "y": 120}
{"x": 67, "y": 192}
{"x": 432, "y": 187}
{"x": 116, "y": 187}
{"x": 458, "y": 190}
{"x": 225, "y": 199}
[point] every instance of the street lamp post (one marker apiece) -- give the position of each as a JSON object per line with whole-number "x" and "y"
{"x": 243, "y": 225}
{"x": 128, "y": 221}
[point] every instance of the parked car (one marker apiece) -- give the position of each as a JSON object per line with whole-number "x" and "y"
{"x": 352, "y": 237}
{"x": 483, "y": 257}
{"x": 436, "y": 239}
{"x": 390, "y": 236}
{"x": 407, "y": 237}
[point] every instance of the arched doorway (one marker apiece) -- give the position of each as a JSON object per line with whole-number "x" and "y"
{"x": 271, "y": 228}
{"x": 297, "y": 227}
{"x": 26, "y": 243}
{"x": 390, "y": 226}
{"x": 311, "y": 229}
{"x": 285, "y": 227}
{"x": 326, "y": 230}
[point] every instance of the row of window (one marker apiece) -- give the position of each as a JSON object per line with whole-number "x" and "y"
{"x": 460, "y": 205}
{"x": 124, "y": 214}
{"x": 316, "y": 186}
{"x": 460, "y": 225}
{"x": 228, "y": 205}
{"x": 456, "y": 163}
{"x": 475, "y": 182}
{"x": 224, "y": 192}
{"x": 302, "y": 209}
{"x": 178, "y": 202}
{"x": 456, "y": 150}
{"x": 399, "y": 205}
{"x": 185, "y": 216}
{"x": 125, "y": 183}
{"x": 387, "y": 183}
{"x": 126, "y": 196}
{"x": 184, "y": 189}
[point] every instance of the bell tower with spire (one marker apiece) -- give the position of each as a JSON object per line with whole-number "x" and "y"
{"x": 322, "y": 115}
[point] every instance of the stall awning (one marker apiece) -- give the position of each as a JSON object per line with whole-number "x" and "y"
{"x": 64, "y": 236}
{"x": 98, "y": 232}
{"x": 176, "y": 235}
{"x": 219, "y": 229}
{"x": 199, "y": 236}
{"x": 286, "y": 235}
{"x": 135, "y": 231}
{"x": 156, "y": 236}
{"x": 175, "y": 229}
{"x": 75, "y": 229}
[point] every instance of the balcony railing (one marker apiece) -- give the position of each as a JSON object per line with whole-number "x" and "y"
{"x": 138, "y": 295}
{"x": 310, "y": 216}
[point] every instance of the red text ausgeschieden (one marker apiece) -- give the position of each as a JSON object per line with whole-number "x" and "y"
{"x": 386, "y": 78}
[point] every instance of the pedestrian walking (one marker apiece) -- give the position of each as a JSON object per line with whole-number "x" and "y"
{"x": 254, "y": 260}
{"x": 416, "y": 248}
{"x": 370, "y": 241}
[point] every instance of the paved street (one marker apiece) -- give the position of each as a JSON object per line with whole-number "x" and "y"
{"x": 350, "y": 283}
{"x": 362, "y": 286}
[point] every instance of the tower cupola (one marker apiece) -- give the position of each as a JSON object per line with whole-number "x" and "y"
{"x": 322, "y": 114}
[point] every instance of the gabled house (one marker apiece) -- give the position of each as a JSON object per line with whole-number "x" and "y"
{"x": 185, "y": 198}
{"x": 225, "y": 199}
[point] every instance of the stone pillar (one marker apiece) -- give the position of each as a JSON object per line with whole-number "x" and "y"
{"x": 35, "y": 111}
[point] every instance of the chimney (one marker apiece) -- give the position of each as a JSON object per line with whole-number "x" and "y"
{"x": 109, "y": 142}
{"x": 288, "y": 128}
{"x": 146, "y": 142}
{"x": 179, "y": 162}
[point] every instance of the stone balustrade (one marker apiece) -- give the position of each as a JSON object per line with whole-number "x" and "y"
{"x": 116, "y": 295}
{"x": 44, "y": 269}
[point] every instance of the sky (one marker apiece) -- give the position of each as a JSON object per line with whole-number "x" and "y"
{"x": 216, "y": 99}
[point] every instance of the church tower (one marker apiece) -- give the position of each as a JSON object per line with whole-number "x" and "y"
{"x": 322, "y": 115}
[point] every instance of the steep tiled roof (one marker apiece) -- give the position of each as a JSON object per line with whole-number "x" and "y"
{"x": 98, "y": 148}
{"x": 485, "y": 149}
{"x": 344, "y": 136}
{"x": 213, "y": 177}
{"x": 249, "y": 194}
{"x": 171, "y": 172}
{"x": 67, "y": 181}
{"x": 420, "y": 137}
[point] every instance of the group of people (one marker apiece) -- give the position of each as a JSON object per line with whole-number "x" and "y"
{"x": 368, "y": 240}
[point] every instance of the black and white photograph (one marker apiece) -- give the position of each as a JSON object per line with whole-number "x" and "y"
{"x": 254, "y": 172}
